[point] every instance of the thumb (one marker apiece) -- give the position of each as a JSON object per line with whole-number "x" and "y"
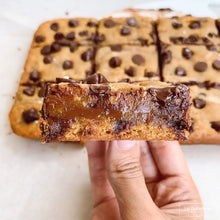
{"x": 127, "y": 180}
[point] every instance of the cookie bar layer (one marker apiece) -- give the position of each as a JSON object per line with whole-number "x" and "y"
{"x": 190, "y": 63}
{"x": 188, "y": 30}
{"x": 129, "y": 31}
{"x": 144, "y": 111}
{"x": 205, "y": 113}
{"x": 118, "y": 62}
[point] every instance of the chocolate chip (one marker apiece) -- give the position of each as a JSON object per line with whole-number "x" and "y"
{"x": 206, "y": 40}
{"x": 191, "y": 128}
{"x": 48, "y": 59}
{"x": 29, "y": 91}
{"x": 70, "y": 36}
{"x": 199, "y": 103}
{"x": 54, "y": 26}
{"x": 73, "y": 23}
{"x": 215, "y": 85}
{"x": 30, "y": 115}
{"x": 195, "y": 25}
{"x": 212, "y": 35}
{"x": 200, "y": 66}
{"x": 115, "y": 62}
{"x": 187, "y": 53}
{"x": 34, "y": 76}
{"x": 41, "y": 92}
{"x": 211, "y": 47}
{"x": 64, "y": 42}
{"x": 125, "y": 31}
{"x": 143, "y": 41}
{"x": 179, "y": 71}
{"x": 215, "y": 125}
{"x": 109, "y": 23}
{"x": 83, "y": 33}
{"x": 101, "y": 89}
{"x": 39, "y": 39}
{"x": 166, "y": 57}
{"x": 138, "y": 59}
{"x": 87, "y": 55}
{"x": 132, "y": 22}
{"x": 193, "y": 38}
{"x": 216, "y": 64}
{"x": 46, "y": 50}
{"x": 95, "y": 79}
{"x": 100, "y": 38}
{"x": 127, "y": 80}
{"x": 131, "y": 71}
{"x": 161, "y": 94}
{"x": 150, "y": 74}
{"x": 116, "y": 47}
{"x": 55, "y": 47}
{"x": 58, "y": 36}
{"x": 91, "y": 24}
{"x": 67, "y": 64}
{"x": 123, "y": 125}
{"x": 176, "y": 25}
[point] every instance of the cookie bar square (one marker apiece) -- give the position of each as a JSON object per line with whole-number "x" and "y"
{"x": 78, "y": 30}
{"x": 24, "y": 115}
{"x": 67, "y": 63}
{"x": 119, "y": 62}
{"x": 143, "y": 111}
{"x": 190, "y": 63}
{"x": 129, "y": 31}
{"x": 188, "y": 30}
{"x": 205, "y": 113}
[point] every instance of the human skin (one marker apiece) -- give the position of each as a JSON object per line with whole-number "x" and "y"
{"x": 135, "y": 180}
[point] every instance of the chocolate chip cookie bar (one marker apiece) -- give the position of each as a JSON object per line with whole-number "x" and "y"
{"x": 127, "y": 31}
{"x": 190, "y": 63}
{"x": 25, "y": 113}
{"x": 117, "y": 62}
{"x": 44, "y": 64}
{"x": 205, "y": 113}
{"x": 188, "y": 30}
{"x": 66, "y": 31}
{"x": 142, "y": 111}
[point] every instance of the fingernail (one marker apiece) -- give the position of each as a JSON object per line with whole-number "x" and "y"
{"x": 126, "y": 144}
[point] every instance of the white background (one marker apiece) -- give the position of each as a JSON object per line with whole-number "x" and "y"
{"x": 43, "y": 182}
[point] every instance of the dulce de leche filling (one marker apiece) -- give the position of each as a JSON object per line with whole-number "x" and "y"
{"x": 68, "y": 103}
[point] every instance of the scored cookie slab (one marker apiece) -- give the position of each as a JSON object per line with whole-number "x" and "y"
{"x": 188, "y": 30}
{"x": 182, "y": 63}
{"x": 205, "y": 113}
{"x": 129, "y": 31}
{"x": 77, "y": 30}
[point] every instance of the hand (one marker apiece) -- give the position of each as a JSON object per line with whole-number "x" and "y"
{"x": 135, "y": 180}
